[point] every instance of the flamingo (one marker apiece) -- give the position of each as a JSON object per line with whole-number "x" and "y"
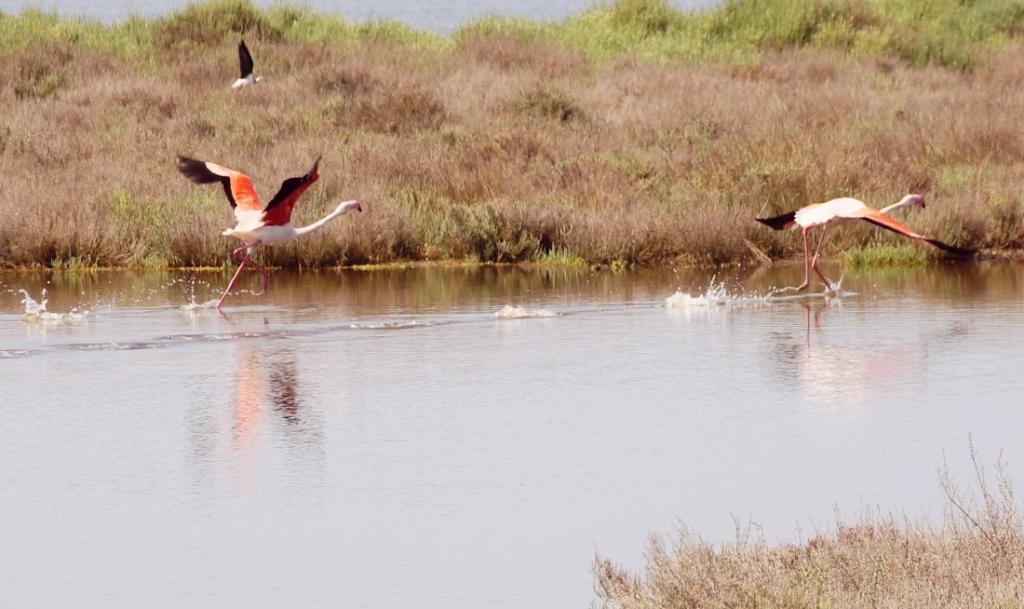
{"x": 848, "y": 208}
{"x": 245, "y": 68}
{"x": 259, "y": 225}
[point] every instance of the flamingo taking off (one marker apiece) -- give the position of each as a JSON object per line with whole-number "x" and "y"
{"x": 245, "y": 68}
{"x": 847, "y": 208}
{"x": 258, "y": 224}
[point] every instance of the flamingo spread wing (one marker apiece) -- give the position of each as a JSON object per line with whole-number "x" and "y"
{"x": 237, "y": 186}
{"x": 819, "y": 214}
{"x": 889, "y": 223}
{"x": 279, "y": 210}
{"x": 784, "y": 221}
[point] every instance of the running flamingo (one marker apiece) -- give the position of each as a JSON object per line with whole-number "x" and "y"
{"x": 258, "y": 224}
{"x": 846, "y": 208}
{"x": 245, "y": 68}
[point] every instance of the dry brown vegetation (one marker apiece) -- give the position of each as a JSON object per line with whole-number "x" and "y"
{"x": 974, "y": 559}
{"x": 498, "y": 148}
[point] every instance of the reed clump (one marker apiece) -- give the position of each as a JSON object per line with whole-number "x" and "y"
{"x": 630, "y": 134}
{"x": 973, "y": 558}
{"x": 884, "y": 254}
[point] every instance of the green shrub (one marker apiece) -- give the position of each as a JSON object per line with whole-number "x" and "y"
{"x": 215, "y": 22}
{"x": 885, "y": 254}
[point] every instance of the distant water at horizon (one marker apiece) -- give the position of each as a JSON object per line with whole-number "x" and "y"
{"x": 437, "y": 16}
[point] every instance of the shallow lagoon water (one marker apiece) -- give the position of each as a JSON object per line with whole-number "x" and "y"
{"x": 401, "y": 438}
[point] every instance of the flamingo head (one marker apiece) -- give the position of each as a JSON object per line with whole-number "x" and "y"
{"x": 917, "y": 200}
{"x": 348, "y": 206}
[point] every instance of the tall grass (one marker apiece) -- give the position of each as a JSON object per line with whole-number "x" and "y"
{"x": 946, "y": 32}
{"x": 973, "y": 558}
{"x": 630, "y": 134}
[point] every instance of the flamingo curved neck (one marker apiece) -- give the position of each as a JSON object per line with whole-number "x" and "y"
{"x": 341, "y": 210}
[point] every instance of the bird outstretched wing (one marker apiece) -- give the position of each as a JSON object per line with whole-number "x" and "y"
{"x": 237, "y": 186}
{"x": 244, "y": 59}
{"x": 781, "y": 222}
{"x": 279, "y": 210}
{"x": 889, "y": 223}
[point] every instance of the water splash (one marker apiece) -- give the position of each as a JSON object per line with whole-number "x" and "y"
{"x": 13, "y": 353}
{"x": 392, "y": 325}
{"x": 782, "y": 294}
{"x": 510, "y": 312}
{"x": 192, "y": 306}
{"x": 716, "y": 294}
{"x": 36, "y": 313}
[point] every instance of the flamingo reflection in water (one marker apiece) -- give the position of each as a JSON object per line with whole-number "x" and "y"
{"x": 839, "y": 368}
{"x": 269, "y": 378}
{"x": 266, "y": 415}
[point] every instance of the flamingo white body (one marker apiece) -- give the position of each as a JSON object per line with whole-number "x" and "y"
{"x": 847, "y": 208}
{"x": 265, "y": 235}
{"x": 836, "y": 209}
{"x": 257, "y": 224}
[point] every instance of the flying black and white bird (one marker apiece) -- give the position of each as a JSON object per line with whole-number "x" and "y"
{"x": 246, "y": 76}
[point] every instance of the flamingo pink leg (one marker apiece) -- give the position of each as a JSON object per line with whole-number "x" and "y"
{"x": 236, "y": 255}
{"x": 807, "y": 267}
{"x": 263, "y": 273}
{"x": 231, "y": 283}
{"x": 241, "y": 264}
{"x": 259, "y": 268}
{"x": 814, "y": 262}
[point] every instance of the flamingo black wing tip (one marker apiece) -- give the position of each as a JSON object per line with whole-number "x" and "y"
{"x": 961, "y": 252}
{"x": 315, "y": 170}
{"x": 188, "y": 165}
{"x": 196, "y": 170}
{"x": 781, "y": 222}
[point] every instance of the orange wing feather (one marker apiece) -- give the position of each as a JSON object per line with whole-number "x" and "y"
{"x": 241, "y": 194}
{"x": 242, "y": 190}
{"x": 889, "y": 223}
{"x": 237, "y": 186}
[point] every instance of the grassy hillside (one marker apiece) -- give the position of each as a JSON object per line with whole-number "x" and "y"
{"x": 631, "y": 133}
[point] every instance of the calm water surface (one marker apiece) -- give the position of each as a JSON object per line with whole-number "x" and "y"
{"x": 438, "y": 16}
{"x": 382, "y": 439}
